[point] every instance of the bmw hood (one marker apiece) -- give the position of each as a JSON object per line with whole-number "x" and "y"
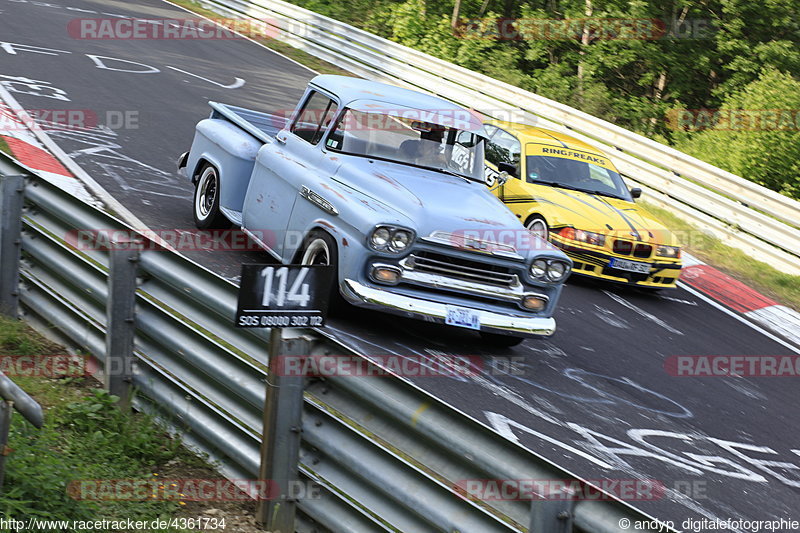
{"x": 602, "y": 214}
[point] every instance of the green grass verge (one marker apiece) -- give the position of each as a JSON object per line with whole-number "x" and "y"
{"x": 85, "y": 437}
{"x": 304, "y": 58}
{"x": 784, "y": 288}
{"x": 4, "y": 147}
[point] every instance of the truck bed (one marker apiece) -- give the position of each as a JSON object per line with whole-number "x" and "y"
{"x": 262, "y": 126}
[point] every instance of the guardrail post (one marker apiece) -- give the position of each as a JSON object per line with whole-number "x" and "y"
{"x": 6, "y": 407}
{"x": 553, "y": 515}
{"x": 280, "y": 444}
{"x": 11, "y": 199}
{"x": 120, "y": 315}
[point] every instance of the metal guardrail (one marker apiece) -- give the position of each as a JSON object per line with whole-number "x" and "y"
{"x": 741, "y": 213}
{"x": 13, "y": 397}
{"x": 386, "y": 454}
{"x": 22, "y": 402}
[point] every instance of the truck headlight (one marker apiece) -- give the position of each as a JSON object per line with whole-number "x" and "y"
{"x": 549, "y": 270}
{"x": 668, "y": 251}
{"x": 539, "y": 268}
{"x": 557, "y": 271}
{"x": 400, "y": 240}
{"x": 391, "y": 239}
{"x": 380, "y": 238}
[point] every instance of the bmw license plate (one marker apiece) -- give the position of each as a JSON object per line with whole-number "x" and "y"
{"x": 630, "y": 266}
{"x": 462, "y": 317}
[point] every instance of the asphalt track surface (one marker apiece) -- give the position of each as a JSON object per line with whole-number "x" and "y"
{"x": 595, "y": 398}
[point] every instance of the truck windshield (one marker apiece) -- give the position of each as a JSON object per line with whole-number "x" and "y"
{"x": 411, "y": 142}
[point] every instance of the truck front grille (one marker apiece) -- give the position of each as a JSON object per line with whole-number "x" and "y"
{"x": 464, "y": 269}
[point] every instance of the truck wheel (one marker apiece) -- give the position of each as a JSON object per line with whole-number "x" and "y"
{"x": 319, "y": 248}
{"x": 206, "y": 201}
{"x": 505, "y": 341}
{"x": 538, "y": 226}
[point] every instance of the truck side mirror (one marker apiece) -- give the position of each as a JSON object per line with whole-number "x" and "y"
{"x": 509, "y": 168}
{"x": 636, "y": 192}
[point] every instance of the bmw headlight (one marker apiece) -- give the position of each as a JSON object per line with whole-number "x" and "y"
{"x": 668, "y": 251}
{"x": 550, "y": 270}
{"x": 390, "y": 239}
{"x": 589, "y": 237}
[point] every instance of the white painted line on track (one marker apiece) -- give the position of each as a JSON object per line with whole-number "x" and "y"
{"x": 95, "y": 188}
{"x": 240, "y": 34}
{"x": 738, "y": 317}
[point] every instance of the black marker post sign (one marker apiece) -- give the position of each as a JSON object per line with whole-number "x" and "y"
{"x": 283, "y": 296}
{"x": 277, "y": 297}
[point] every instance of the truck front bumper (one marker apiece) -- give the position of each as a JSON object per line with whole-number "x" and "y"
{"x": 182, "y": 160}
{"x": 491, "y": 322}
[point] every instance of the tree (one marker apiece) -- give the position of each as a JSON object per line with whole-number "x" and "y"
{"x": 756, "y": 134}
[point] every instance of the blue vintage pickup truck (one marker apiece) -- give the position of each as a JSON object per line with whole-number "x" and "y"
{"x": 386, "y": 184}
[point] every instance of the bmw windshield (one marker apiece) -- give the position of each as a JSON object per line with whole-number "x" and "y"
{"x": 398, "y": 137}
{"x": 571, "y": 169}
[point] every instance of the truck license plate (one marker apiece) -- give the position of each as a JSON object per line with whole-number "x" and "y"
{"x": 462, "y": 317}
{"x": 630, "y": 266}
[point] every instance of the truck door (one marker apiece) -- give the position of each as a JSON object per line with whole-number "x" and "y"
{"x": 281, "y": 170}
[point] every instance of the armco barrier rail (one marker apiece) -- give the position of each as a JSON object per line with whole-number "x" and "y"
{"x": 741, "y": 213}
{"x": 386, "y": 454}
{"x": 13, "y": 397}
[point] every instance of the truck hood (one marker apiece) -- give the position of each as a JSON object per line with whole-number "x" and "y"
{"x": 429, "y": 200}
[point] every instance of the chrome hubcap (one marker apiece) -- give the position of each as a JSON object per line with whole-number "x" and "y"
{"x": 206, "y": 193}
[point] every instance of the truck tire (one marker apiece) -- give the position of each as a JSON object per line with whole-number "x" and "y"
{"x": 319, "y": 248}
{"x": 207, "y": 214}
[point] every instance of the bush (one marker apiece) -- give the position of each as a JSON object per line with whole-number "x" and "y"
{"x": 766, "y": 154}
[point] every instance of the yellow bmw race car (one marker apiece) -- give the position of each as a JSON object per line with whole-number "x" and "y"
{"x": 569, "y": 193}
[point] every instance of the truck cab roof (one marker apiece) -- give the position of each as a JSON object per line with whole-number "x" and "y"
{"x": 350, "y": 90}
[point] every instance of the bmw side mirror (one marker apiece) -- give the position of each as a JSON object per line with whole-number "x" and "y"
{"x": 508, "y": 168}
{"x": 636, "y": 192}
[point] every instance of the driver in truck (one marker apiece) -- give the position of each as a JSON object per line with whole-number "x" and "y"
{"x": 430, "y": 152}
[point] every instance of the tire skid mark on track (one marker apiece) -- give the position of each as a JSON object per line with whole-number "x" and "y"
{"x": 608, "y": 316}
{"x": 639, "y": 311}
